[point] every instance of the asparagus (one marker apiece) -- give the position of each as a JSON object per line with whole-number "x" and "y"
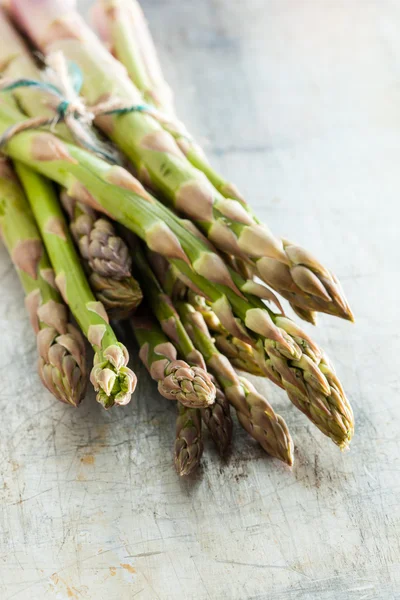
{"x": 176, "y": 379}
{"x": 218, "y": 420}
{"x": 254, "y": 413}
{"x": 215, "y": 412}
{"x": 165, "y": 312}
{"x": 123, "y": 27}
{"x": 292, "y": 359}
{"x": 241, "y": 355}
{"x": 188, "y": 442}
{"x": 61, "y": 349}
{"x": 111, "y": 378}
{"x": 229, "y": 223}
{"x": 106, "y": 257}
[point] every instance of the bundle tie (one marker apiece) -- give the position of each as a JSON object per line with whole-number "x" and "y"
{"x": 70, "y": 108}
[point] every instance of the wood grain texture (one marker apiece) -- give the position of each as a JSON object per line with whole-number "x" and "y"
{"x": 299, "y": 102}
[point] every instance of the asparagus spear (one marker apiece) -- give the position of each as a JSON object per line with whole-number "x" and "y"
{"x": 111, "y": 378}
{"x": 188, "y": 443}
{"x": 123, "y": 27}
{"x": 293, "y": 361}
{"x": 229, "y": 223}
{"x": 218, "y": 420}
{"x": 165, "y": 312}
{"x": 215, "y": 413}
{"x": 241, "y": 355}
{"x": 176, "y": 379}
{"x": 255, "y": 414}
{"x": 61, "y": 362}
{"x": 106, "y": 257}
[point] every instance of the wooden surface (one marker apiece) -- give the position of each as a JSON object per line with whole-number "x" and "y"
{"x": 299, "y": 102}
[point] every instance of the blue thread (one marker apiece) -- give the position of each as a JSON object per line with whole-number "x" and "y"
{"x": 62, "y": 108}
{"x": 49, "y": 87}
{"x": 129, "y": 109}
{"x": 76, "y": 76}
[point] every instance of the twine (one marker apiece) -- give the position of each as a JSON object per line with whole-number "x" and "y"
{"x": 69, "y": 107}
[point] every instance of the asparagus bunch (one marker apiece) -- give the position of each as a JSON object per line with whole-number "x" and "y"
{"x": 61, "y": 349}
{"x": 123, "y": 27}
{"x": 292, "y": 360}
{"x": 228, "y": 222}
{"x": 110, "y": 376}
{"x": 106, "y": 258}
{"x": 255, "y": 414}
{"x": 105, "y": 255}
{"x": 222, "y": 319}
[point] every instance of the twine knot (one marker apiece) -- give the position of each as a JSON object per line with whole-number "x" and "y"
{"x": 63, "y": 83}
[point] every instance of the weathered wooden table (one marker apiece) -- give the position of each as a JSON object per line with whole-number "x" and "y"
{"x": 299, "y": 102}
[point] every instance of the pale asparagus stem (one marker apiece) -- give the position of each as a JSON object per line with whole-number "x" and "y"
{"x": 188, "y": 447}
{"x": 124, "y": 29}
{"x": 110, "y": 376}
{"x": 293, "y": 361}
{"x": 16, "y": 62}
{"x": 176, "y": 379}
{"x": 229, "y": 223}
{"x": 61, "y": 349}
{"x": 106, "y": 259}
{"x": 255, "y": 414}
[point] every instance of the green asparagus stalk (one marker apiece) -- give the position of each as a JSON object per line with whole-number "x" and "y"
{"x": 229, "y": 223}
{"x": 15, "y": 59}
{"x": 188, "y": 442}
{"x": 254, "y": 413}
{"x": 241, "y": 355}
{"x": 61, "y": 349}
{"x": 293, "y": 361}
{"x": 165, "y": 312}
{"x": 215, "y": 413}
{"x": 16, "y": 62}
{"x": 124, "y": 29}
{"x": 111, "y": 378}
{"x": 106, "y": 258}
{"x": 176, "y": 379}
